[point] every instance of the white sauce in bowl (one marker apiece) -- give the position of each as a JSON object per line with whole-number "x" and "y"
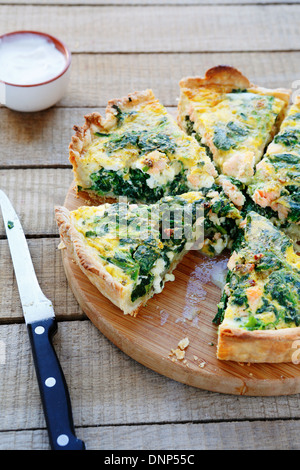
{"x": 29, "y": 59}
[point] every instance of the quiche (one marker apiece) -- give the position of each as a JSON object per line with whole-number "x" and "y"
{"x": 233, "y": 118}
{"x": 128, "y": 251}
{"x": 276, "y": 183}
{"x": 259, "y": 312}
{"x": 225, "y": 175}
{"x": 137, "y": 151}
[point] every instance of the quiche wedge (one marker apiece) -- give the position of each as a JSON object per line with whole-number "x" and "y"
{"x": 232, "y": 117}
{"x": 276, "y": 183}
{"x": 128, "y": 251}
{"x": 137, "y": 151}
{"x": 259, "y": 312}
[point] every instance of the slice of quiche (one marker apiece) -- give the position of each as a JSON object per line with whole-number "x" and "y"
{"x": 232, "y": 117}
{"x": 137, "y": 151}
{"x": 276, "y": 183}
{"x": 128, "y": 251}
{"x": 259, "y": 312}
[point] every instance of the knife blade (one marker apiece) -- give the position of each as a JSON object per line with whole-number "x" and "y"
{"x": 41, "y": 325}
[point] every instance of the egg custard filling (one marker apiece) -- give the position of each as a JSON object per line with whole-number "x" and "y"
{"x": 129, "y": 251}
{"x": 262, "y": 293}
{"x": 276, "y": 183}
{"x": 137, "y": 151}
{"x": 234, "y": 119}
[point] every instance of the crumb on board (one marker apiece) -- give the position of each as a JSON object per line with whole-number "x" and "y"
{"x": 183, "y": 344}
{"x": 179, "y": 352}
{"x": 201, "y": 362}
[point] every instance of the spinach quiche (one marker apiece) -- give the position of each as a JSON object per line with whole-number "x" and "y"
{"x": 259, "y": 312}
{"x": 137, "y": 151}
{"x": 231, "y": 165}
{"x": 232, "y": 117}
{"x": 276, "y": 183}
{"x": 128, "y": 251}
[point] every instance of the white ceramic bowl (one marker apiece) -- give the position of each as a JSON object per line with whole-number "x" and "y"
{"x": 39, "y": 96}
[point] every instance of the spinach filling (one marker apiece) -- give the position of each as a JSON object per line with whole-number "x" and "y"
{"x": 293, "y": 117}
{"x": 146, "y": 255}
{"x": 189, "y": 128}
{"x": 145, "y": 141}
{"x": 131, "y": 183}
{"x": 121, "y": 115}
{"x": 142, "y": 288}
{"x": 262, "y": 252}
{"x": 277, "y": 299}
{"x": 125, "y": 261}
{"x": 290, "y": 192}
{"x": 284, "y": 158}
{"x": 228, "y": 136}
{"x": 170, "y": 229}
{"x": 250, "y": 205}
{"x": 288, "y": 299}
{"x": 289, "y": 138}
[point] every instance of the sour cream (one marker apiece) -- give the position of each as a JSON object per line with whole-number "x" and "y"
{"x": 29, "y": 59}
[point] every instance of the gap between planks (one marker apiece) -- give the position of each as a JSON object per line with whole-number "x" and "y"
{"x": 148, "y": 3}
{"x": 257, "y": 27}
{"x": 245, "y": 435}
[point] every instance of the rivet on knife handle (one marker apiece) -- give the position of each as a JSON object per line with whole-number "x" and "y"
{"x": 53, "y": 388}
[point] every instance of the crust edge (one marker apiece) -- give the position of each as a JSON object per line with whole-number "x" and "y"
{"x": 270, "y": 346}
{"x": 218, "y": 75}
{"x": 95, "y": 122}
{"x": 94, "y": 270}
{"x": 226, "y": 75}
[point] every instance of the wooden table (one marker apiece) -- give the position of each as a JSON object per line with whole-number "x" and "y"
{"x": 118, "y": 47}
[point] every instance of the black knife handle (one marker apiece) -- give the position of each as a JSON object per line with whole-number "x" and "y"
{"x": 53, "y": 387}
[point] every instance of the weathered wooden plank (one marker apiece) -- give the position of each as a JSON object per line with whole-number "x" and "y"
{"x": 48, "y": 266}
{"x": 97, "y": 78}
{"x": 108, "y": 388}
{"x": 34, "y": 193}
{"x": 146, "y": 2}
{"x": 256, "y": 435}
{"x": 38, "y": 139}
{"x": 169, "y": 28}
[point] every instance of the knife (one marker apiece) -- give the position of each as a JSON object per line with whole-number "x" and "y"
{"x": 42, "y": 325}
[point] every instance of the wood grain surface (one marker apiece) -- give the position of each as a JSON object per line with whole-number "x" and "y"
{"x": 118, "y": 47}
{"x": 172, "y": 28}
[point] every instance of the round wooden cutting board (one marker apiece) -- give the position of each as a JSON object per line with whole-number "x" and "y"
{"x": 184, "y": 309}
